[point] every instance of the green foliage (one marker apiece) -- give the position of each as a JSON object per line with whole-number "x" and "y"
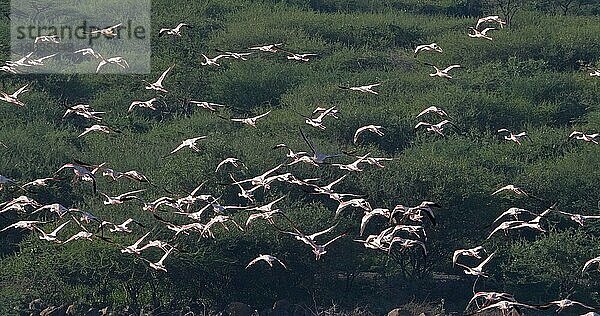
{"x": 527, "y": 79}
{"x": 550, "y": 267}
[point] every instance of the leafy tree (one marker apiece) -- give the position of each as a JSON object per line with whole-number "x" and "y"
{"x": 507, "y": 8}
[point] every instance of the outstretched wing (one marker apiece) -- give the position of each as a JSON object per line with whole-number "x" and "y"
{"x": 427, "y": 110}
{"x": 262, "y": 115}
{"x": 317, "y": 234}
{"x": 163, "y": 32}
{"x": 357, "y": 133}
{"x": 102, "y": 63}
{"x": 280, "y": 262}
{"x": 164, "y": 74}
{"x": 422, "y": 124}
{"x": 487, "y": 30}
{"x": 254, "y": 261}
{"x": 451, "y": 67}
{"x": 23, "y": 89}
{"x": 373, "y": 85}
{"x": 114, "y": 27}
{"x": 177, "y": 149}
{"x": 180, "y": 25}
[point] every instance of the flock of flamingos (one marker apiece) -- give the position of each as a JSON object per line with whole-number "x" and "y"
{"x": 204, "y": 213}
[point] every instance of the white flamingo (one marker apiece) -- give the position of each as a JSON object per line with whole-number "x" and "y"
{"x": 40, "y": 61}
{"x": 317, "y": 249}
{"x": 376, "y": 161}
{"x": 442, "y": 73}
{"x": 121, "y": 228}
{"x": 490, "y": 297}
{"x": 174, "y": 31}
{"x": 135, "y": 248}
{"x": 291, "y": 153}
{"x": 269, "y": 259}
{"x": 491, "y": 19}
{"x": 478, "y": 270}
{"x": 10, "y": 69}
{"x": 504, "y": 226}
{"x": 251, "y": 120}
{"x": 369, "y": 128}
{"x": 272, "y": 48}
{"x": 352, "y": 166}
{"x": 514, "y": 137}
{"x": 511, "y": 188}
{"x": 117, "y": 60}
{"x": 47, "y": 39}
{"x": 268, "y": 216}
{"x": 88, "y": 51}
{"x": 158, "y": 85}
{"x": 317, "y": 156}
{"x": 472, "y": 252}
{"x": 233, "y": 161}
{"x": 260, "y": 180}
{"x": 428, "y": 48}
{"x": 589, "y": 263}
{"x": 122, "y": 198}
{"x": 19, "y": 204}
{"x": 190, "y": 143}
{"x": 369, "y": 214}
{"x": 98, "y": 128}
{"x": 564, "y": 303}
{"x": 207, "y": 105}
{"x": 591, "y": 138}
{"x": 407, "y": 243}
{"x": 109, "y": 32}
{"x": 363, "y": 89}
{"x": 267, "y": 207}
{"x": 415, "y": 230}
{"x": 373, "y": 242}
{"x": 51, "y": 237}
{"x": 160, "y": 264}
{"x": 30, "y": 225}
{"x": 83, "y": 110}
{"x": 579, "y": 218}
{"x": 154, "y": 205}
{"x": 474, "y": 33}
{"x": 80, "y": 235}
{"x": 222, "y": 219}
{"x": 234, "y": 55}
{"x": 318, "y": 121}
{"x": 359, "y": 203}
{"x": 436, "y": 128}
{"x": 505, "y": 307}
{"x": 81, "y": 173}
{"x": 21, "y": 62}
{"x": 56, "y": 208}
{"x": 77, "y": 108}
{"x": 300, "y": 57}
{"x": 333, "y": 112}
{"x": 513, "y": 211}
{"x": 213, "y": 61}
{"x": 143, "y": 104}
{"x": 14, "y": 98}
{"x": 433, "y": 109}
{"x": 328, "y": 190}
{"x": 303, "y": 159}
{"x": 137, "y": 176}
